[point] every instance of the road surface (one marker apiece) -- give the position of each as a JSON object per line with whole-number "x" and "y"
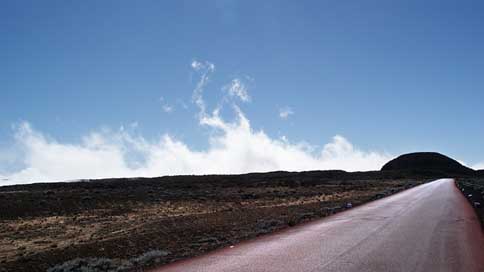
{"x": 427, "y": 228}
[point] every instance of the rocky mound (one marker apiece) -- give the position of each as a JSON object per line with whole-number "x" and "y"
{"x": 427, "y": 162}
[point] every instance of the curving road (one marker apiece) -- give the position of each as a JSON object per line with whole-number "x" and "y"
{"x": 427, "y": 228}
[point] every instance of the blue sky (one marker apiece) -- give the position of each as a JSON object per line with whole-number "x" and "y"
{"x": 388, "y": 76}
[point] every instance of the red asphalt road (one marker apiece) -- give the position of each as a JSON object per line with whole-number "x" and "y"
{"x": 430, "y": 227}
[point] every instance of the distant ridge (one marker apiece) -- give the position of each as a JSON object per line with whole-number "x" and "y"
{"x": 427, "y": 161}
{"x": 412, "y": 166}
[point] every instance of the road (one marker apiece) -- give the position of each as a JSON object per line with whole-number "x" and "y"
{"x": 430, "y": 227}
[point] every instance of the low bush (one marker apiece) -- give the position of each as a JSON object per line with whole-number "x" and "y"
{"x": 110, "y": 265}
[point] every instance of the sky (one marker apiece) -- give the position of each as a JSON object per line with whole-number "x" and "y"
{"x": 93, "y": 89}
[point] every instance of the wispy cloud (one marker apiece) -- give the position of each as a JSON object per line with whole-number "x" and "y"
{"x": 205, "y": 70}
{"x": 237, "y": 88}
{"x": 167, "y": 108}
{"x": 197, "y": 65}
{"x": 164, "y": 106}
{"x": 285, "y": 112}
{"x": 233, "y": 147}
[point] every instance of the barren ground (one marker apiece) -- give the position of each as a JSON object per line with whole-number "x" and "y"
{"x": 43, "y": 225}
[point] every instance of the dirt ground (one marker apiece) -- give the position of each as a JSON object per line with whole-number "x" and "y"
{"x": 43, "y": 225}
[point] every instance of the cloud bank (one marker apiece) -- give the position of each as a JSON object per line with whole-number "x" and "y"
{"x": 233, "y": 147}
{"x": 236, "y": 149}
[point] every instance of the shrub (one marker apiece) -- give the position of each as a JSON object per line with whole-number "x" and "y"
{"x": 109, "y": 265}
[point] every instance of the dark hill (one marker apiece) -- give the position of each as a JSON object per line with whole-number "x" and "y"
{"x": 427, "y": 162}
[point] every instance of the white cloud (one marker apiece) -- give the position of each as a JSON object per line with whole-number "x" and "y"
{"x": 164, "y": 106}
{"x": 167, "y": 108}
{"x": 237, "y": 88}
{"x": 205, "y": 69}
{"x": 285, "y": 112}
{"x": 237, "y": 149}
{"x": 197, "y": 65}
{"x": 233, "y": 147}
{"x": 478, "y": 166}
